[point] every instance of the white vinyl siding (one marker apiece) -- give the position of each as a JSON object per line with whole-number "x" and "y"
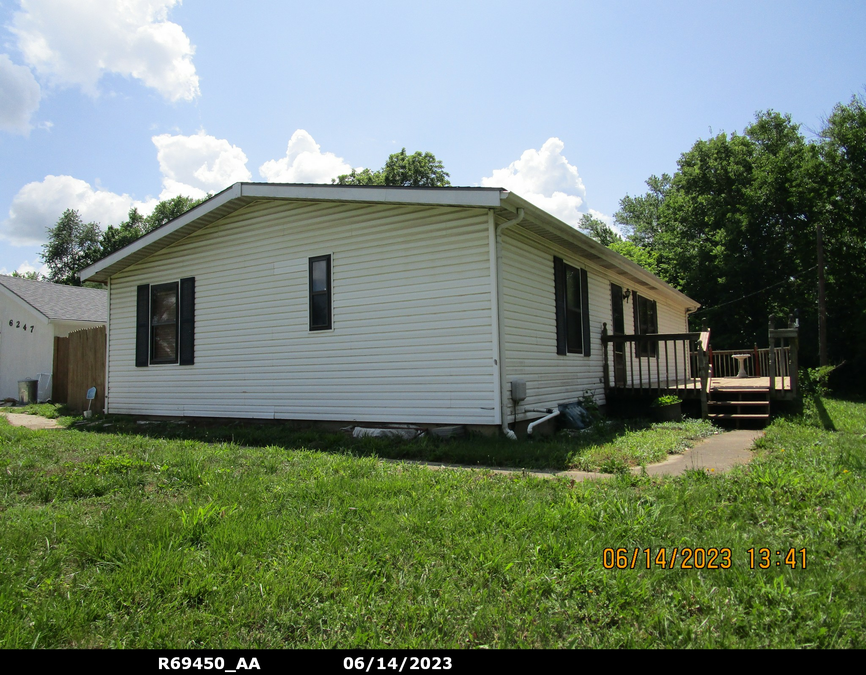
{"x": 411, "y": 341}
{"x": 530, "y": 325}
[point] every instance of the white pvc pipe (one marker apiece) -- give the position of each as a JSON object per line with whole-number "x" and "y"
{"x": 540, "y": 421}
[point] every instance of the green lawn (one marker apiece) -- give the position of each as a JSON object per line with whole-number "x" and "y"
{"x": 131, "y": 540}
{"x": 610, "y": 446}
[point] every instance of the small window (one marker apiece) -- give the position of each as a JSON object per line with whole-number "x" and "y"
{"x": 163, "y": 323}
{"x": 573, "y": 312}
{"x": 572, "y": 309}
{"x": 320, "y": 293}
{"x": 646, "y": 323}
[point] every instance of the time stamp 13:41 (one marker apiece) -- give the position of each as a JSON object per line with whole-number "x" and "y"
{"x": 700, "y": 558}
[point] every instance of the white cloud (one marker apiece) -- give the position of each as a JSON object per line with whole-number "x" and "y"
{"x": 19, "y": 96}
{"x": 190, "y": 165}
{"x": 196, "y": 165}
{"x": 304, "y": 163}
{"x": 38, "y": 205}
{"x": 26, "y": 267}
{"x": 74, "y": 42}
{"x": 545, "y": 178}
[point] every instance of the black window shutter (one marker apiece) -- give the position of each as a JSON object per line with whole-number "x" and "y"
{"x": 635, "y": 303}
{"x": 142, "y": 326}
{"x": 584, "y": 306}
{"x": 187, "y": 321}
{"x": 559, "y": 290}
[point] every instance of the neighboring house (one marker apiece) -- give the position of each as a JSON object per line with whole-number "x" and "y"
{"x": 32, "y": 314}
{"x": 368, "y": 304}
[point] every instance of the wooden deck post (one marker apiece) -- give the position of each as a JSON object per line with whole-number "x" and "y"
{"x": 604, "y": 346}
{"x": 704, "y": 370}
{"x": 772, "y": 356}
{"x": 794, "y": 345}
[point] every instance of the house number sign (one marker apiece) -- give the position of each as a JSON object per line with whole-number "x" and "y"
{"x": 17, "y": 324}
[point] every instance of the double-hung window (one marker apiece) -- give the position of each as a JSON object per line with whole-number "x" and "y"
{"x": 645, "y": 323}
{"x": 165, "y": 323}
{"x": 572, "y": 309}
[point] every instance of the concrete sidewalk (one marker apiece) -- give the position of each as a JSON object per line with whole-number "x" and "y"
{"x": 715, "y": 454}
{"x": 30, "y": 421}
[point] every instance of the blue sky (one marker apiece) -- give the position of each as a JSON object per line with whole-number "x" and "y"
{"x": 107, "y": 105}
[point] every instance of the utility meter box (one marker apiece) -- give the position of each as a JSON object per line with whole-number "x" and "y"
{"x": 518, "y": 390}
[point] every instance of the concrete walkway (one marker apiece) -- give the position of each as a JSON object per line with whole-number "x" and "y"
{"x": 715, "y": 454}
{"x": 30, "y": 421}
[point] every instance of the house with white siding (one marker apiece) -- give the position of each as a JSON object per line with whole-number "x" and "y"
{"x": 370, "y": 305}
{"x": 32, "y": 315}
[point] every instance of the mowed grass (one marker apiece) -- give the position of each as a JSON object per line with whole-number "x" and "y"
{"x": 609, "y": 446}
{"x": 122, "y": 540}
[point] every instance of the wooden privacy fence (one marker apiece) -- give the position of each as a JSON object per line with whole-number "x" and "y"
{"x": 79, "y": 363}
{"x": 60, "y": 373}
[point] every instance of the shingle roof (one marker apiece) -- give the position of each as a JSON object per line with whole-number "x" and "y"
{"x": 55, "y": 301}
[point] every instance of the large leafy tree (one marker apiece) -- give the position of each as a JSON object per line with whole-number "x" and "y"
{"x": 843, "y": 154}
{"x": 136, "y": 224}
{"x": 734, "y": 227}
{"x": 72, "y": 245}
{"x": 417, "y": 170}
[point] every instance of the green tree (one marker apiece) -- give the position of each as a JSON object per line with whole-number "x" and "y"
{"x": 842, "y": 148}
{"x": 137, "y": 225}
{"x": 598, "y": 230}
{"x": 639, "y": 216}
{"x": 417, "y": 170}
{"x": 734, "y": 226}
{"x": 72, "y": 246}
{"x": 170, "y": 209}
{"x": 116, "y": 237}
{"x": 33, "y": 275}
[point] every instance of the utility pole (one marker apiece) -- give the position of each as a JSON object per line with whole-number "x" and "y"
{"x": 823, "y": 359}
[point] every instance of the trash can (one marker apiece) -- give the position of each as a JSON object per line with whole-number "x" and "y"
{"x": 27, "y": 391}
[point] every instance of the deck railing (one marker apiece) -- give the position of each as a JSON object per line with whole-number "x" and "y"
{"x": 725, "y": 365}
{"x": 655, "y": 364}
{"x": 680, "y": 363}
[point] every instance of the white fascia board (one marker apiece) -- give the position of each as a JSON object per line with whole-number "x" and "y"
{"x": 566, "y": 231}
{"x": 478, "y": 197}
{"x": 23, "y": 303}
{"x": 215, "y": 202}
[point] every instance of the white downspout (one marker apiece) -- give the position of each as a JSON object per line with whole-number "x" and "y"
{"x": 503, "y": 385}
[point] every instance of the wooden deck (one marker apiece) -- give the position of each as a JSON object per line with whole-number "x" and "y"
{"x": 756, "y": 383}
{"x": 641, "y": 367}
{"x": 691, "y": 388}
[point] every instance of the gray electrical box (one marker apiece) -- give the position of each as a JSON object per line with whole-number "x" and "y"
{"x": 518, "y": 390}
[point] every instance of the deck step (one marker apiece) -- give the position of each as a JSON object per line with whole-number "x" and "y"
{"x": 745, "y": 403}
{"x": 766, "y": 392}
{"x": 737, "y": 416}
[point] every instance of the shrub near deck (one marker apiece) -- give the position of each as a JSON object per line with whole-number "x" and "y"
{"x": 132, "y": 541}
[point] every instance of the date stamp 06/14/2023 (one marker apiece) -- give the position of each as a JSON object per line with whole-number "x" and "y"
{"x": 701, "y": 558}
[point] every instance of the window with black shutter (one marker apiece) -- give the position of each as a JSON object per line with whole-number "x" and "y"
{"x": 646, "y": 323}
{"x": 572, "y": 309}
{"x": 165, "y": 323}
